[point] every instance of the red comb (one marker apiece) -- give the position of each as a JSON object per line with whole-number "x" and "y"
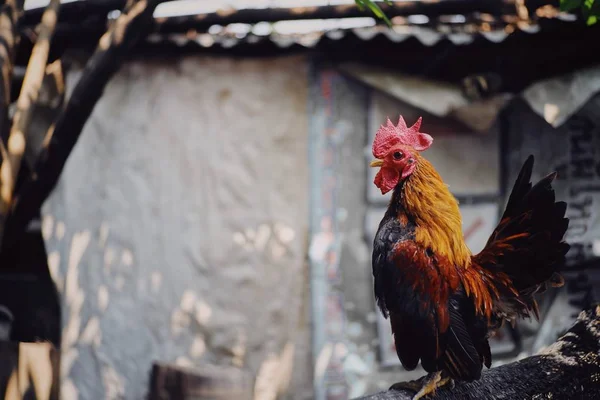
{"x": 389, "y": 135}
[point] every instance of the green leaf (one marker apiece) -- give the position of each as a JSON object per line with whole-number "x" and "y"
{"x": 378, "y": 12}
{"x": 592, "y": 19}
{"x": 375, "y": 9}
{"x": 568, "y": 5}
{"x": 586, "y": 8}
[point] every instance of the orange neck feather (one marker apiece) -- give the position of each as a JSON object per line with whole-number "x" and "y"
{"x": 436, "y": 214}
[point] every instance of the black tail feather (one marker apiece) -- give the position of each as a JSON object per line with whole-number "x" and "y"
{"x": 527, "y": 244}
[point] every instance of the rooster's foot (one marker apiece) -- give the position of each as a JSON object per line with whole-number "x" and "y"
{"x": 424, "y": 386}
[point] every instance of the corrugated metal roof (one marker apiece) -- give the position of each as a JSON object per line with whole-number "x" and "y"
{"x": 458, "y": 29}
{"x": 305, "y": 23}
{"x": 194, "y": 7}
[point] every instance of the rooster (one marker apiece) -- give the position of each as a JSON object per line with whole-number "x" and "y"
{"x": 444, "y": 303}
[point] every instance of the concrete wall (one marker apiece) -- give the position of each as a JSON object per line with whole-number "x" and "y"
{"x": 177, "y": 232}
{"x": 573, "y": 150}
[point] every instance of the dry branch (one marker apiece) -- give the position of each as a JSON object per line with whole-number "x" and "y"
{"x": 568, "y": 369}
{"x": 17, "y": 139}
{"x": 113, "y": 48}
{"x": 9, "y": 14}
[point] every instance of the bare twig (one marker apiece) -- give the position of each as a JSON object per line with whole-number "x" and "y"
{"x": 113, "y": 48}
{"x": 568, "y": 369}
{"x": 25, "y": 107}
{"x": 10, "y": 10}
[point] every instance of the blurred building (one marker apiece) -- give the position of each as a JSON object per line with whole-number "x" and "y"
{"x": 218, "y": 208}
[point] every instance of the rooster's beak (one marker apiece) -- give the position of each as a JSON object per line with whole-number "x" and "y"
{"x": 376, "y": 163}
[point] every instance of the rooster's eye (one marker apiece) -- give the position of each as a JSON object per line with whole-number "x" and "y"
{"x": 398, "y": 155}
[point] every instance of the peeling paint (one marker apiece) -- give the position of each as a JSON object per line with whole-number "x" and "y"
{"x": 47, "y": 226}
{"x": 67, "y": 359}
{"x": 286, "y": 367}
{"x": 90, "y": 332}
{"x": 127, "y": 258}
{"x": 239, "y": 349}
{"x": 184, "y": 362}
{"x": 74, "y": 296}
{"x": 156, "y": 279}
{"x": 109, "y": 256}
{"x": 68, "y": 391}
{"x": 263, "y": 234}
{"x": 266, "y": 238}
{"x": 265, "y": 387}
{"x": 103, "y": 298}
{"x": 187, "y": 301}
{"x": 202, "y": 313}
{"x": 60, "y": 230}
{"x": 179, "y": 321}
{"x": 114, "y": 384}
{"x": 239, "y": 239}
{"x": 104, "y": 229}
{"x": 284, "y": 233}
{"x": 274, "y": 374}
{"x": 277, "y": 251}
{"x": 198, "y": 347}
{"x": 54, "y": 268}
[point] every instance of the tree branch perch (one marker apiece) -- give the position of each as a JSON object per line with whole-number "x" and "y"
{"x": 568, "y": 369}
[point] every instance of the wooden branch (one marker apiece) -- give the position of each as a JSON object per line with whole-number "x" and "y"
{"x": 25, "y": 107}
{"x": 113, "y": 48}
{"x": 568, "y": 369}
{"x": 9, "y": 14}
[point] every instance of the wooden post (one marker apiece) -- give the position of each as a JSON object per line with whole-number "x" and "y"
{"x": 29, "y": 370}
{"x": 169, "y": 382}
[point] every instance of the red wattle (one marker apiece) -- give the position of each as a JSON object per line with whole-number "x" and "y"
{"x": 386, "y": 179}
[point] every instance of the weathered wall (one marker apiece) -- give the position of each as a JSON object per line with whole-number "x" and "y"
{"x": 177, "y": 232}
{"x": 573, "y": 150}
